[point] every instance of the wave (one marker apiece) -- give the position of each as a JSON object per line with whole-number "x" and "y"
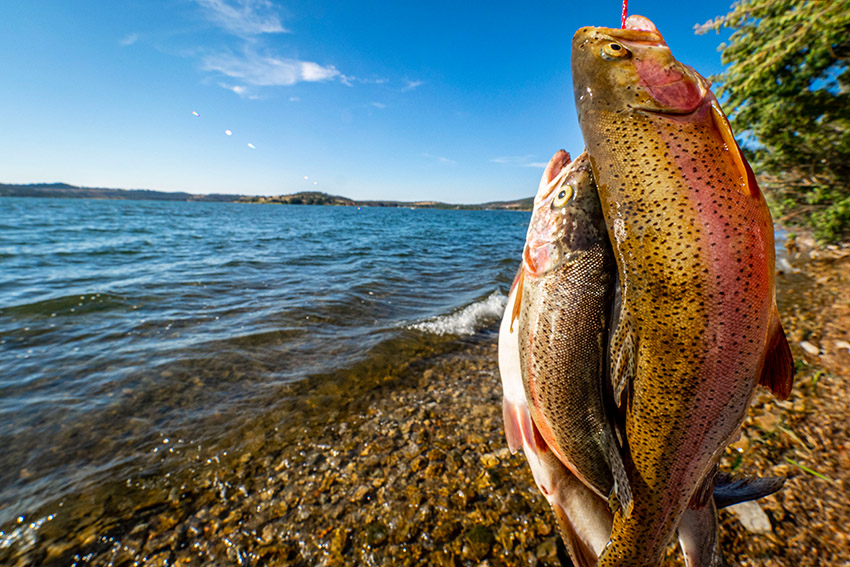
{"x": 468, "y": 320}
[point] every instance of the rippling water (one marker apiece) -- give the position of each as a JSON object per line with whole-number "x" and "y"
{"x": 130, "y": 329}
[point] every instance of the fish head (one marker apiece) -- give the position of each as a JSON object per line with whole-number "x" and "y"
{"x": 567, "y": 216}
{"x": 621, "y": 70}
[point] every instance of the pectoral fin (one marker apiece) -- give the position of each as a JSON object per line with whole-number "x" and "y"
{"x": 777, "y": 373}
{"x": 749, "y": 186}
{"x": 513, "y": 429}
{"x": 518, "y": 298}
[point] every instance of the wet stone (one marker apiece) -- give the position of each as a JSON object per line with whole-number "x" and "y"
{"x": 376, "y": 534}
{"x": 339, "y": 541}
{"x": 479, "y": 541}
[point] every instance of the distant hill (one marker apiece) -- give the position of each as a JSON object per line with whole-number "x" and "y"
{"x": 318, "y": 198}
{"x": 65, "y": 191}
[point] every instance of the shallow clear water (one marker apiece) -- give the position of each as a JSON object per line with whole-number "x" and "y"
{"x": 129, "y": 329}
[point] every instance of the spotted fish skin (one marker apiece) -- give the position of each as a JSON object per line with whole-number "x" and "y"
{"x": 568, "y": 282}
{"x": 698, "y": 328}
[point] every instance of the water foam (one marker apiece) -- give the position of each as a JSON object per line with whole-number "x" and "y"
{"x": 468, "y": 320}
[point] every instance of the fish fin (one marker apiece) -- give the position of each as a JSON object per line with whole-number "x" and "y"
{"x": 513, "y": 430}
{"x": 702, "y": 496}
{"x": 622, "y": 357}
{"x": 621, "y": 494}
{"x": 518, "y": 299}
{"x": 777, "y": 372}
{"x": 729, "y": 491}
{"x": 749, "y": 185}
{"x": 579, "y": 550}
{"x": 698, "y": 537}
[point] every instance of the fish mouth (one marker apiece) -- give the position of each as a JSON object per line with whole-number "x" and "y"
{"x": 672, "y": 111}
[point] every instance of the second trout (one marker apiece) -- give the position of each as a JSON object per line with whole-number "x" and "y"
{"x": 564, "y": 299}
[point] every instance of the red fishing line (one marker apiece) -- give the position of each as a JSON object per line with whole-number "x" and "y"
{"x": 625, "y": 10}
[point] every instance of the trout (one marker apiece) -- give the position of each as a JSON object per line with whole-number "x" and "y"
{"x": 552, "y": 345}
{"x": 698, "y": 326}
{"x": 564, "y": 297}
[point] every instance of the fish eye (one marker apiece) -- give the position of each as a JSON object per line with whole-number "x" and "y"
{"x": 613, "y": 51}
{"x": 563, "y": 196}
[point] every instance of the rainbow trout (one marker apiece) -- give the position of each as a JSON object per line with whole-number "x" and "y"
{"x": 552, "y": 352}
{"x": 698, "y": 327}
{"x": 564, "y": 298}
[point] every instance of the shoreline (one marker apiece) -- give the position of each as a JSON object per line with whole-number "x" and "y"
{"x": 417, "y": 472}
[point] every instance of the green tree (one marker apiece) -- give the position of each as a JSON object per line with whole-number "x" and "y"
{"x": 787, "y": 90}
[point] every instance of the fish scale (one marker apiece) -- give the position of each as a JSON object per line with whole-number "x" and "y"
{"x": 698, "y": 326}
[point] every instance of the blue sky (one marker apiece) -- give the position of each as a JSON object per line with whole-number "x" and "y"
{"x": 453, "y": 101}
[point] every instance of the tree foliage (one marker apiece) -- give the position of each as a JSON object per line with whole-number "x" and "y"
{"x": 787, "y": 90}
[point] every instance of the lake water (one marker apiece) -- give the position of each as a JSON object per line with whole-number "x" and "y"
{"x": 136, "y": 334}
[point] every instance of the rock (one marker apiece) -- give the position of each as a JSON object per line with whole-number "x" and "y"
{"x": 810, "y": 348}
{"x": 479, "y": 541}
{"x": 752, "y": 517}
{"x": 376, "y": 534}
{"x": 361, "y": 493}
{"x": 445, "y": 532}
{"x": 339, "y": 541}
{"x": 548, "y": 551}
{"x": 159, "y": 560}
{"x": 489, "y": 460}
{"x": 767, "y": 422}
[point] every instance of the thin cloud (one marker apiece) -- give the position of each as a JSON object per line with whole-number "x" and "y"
{"x": 243, "y": 17}
{"x": 268, "y": 71}
{"x": 519, "y": 161}
{"x": 380, "y": 105}
{"x": 241, "y": 90}
{"x": 440, "y": 159}
{"x": 130, "y": 39}
{"x": 349, "y": 80}
{"x": 410, "y": 85}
